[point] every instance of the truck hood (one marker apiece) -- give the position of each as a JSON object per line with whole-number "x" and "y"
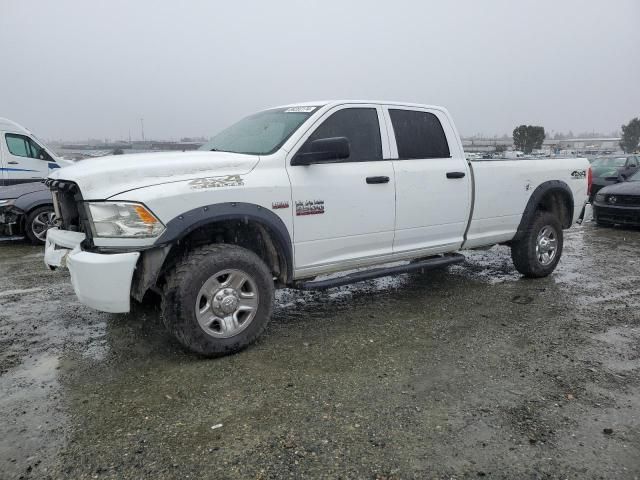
{"x": 104, "y": 177}
{"x": 623, "y": 188}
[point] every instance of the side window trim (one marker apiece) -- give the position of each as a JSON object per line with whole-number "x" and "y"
{"x": 382, "y": 127}
{"x": 393, "y": 140}
{"x": 442, "y": 118}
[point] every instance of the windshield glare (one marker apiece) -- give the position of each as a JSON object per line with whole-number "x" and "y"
{"x": 262, "y": 133}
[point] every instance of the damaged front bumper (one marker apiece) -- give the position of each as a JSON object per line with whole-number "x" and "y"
{"x": 10, "y": 220}
{"x": 101, "y": 281}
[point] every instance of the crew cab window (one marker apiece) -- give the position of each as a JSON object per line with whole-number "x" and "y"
{"x": 360, "y": 126}
{"x": 418, "y": 135}
{"x": 23, "y": 146}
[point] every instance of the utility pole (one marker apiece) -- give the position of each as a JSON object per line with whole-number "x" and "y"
{"x": 142, "y": 127}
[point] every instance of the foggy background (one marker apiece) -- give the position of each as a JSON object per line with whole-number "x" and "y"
{"x": 74, "y": 69}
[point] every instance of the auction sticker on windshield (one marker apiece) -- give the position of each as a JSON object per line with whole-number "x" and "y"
{"x": 300, "y": 109}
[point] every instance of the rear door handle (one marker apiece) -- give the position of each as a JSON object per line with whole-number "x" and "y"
{"x": 12, "y": 162}
{"x": 455, "y": 174}
{"x": 377, "y": 179}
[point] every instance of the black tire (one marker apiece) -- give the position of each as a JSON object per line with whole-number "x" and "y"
{"x": 33, "y": 216}
{"x": 182, "y": 291}
{"x": 524, "y": 253}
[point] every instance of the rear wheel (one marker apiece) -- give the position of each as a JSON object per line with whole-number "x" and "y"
{"x": 537, "y": 252}
{"x": 38, "y": 222}
{"x": 218, "y": 299}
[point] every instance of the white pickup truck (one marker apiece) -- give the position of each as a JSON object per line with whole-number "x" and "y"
{"x": 292, "y": 193}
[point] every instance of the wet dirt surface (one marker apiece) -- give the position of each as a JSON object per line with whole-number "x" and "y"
{"x": 463, "y": 373}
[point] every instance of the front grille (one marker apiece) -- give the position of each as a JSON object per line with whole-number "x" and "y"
{"x": 627, "y": 200}
{"x": 67, "y": 198}
{"x": 68, "y": 203}
{"x": 624, "y": 216}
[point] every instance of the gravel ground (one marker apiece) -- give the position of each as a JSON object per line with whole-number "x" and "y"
{"x": 463, "y": 373}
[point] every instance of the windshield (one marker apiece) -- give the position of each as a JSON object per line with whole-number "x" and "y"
{"x": 262, "y": 133}
{"x": 609, "y": 162}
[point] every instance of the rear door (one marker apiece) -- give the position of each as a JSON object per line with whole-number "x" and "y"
{"x": 433, "y": 184}
{"x": 344, "y": 211}
{"x": 24, "y": 160}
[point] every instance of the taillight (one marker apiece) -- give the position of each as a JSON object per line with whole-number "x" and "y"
{"x": 589, "y": 180}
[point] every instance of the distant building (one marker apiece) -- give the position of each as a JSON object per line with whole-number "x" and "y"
{"x": 578, "y": 146}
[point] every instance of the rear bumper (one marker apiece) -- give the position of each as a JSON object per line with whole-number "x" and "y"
{"x": 619, "y": 215}
{"x": 100, "y": 281}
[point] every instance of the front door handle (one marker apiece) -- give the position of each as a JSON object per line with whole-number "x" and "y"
{"x": 455, "y": 174}
{"x": 377, "y": 179}
{"x": 12, "y": 162}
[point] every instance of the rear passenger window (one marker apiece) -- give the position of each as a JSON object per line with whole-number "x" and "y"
{"x": 360, "y": 126}
{"x": 419, "y": 135}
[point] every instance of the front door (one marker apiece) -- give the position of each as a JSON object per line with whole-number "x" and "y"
{"x": 343, "y": 212}
{"x": 433, "y": 188}
{"x": 24, "y": 160}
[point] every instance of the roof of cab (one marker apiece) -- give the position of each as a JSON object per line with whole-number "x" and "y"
{"x": 331, "y": 103}
{"x": 8, "y": 125}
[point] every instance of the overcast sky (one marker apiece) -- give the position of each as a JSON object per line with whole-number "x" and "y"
{"x": 73, "y": 69}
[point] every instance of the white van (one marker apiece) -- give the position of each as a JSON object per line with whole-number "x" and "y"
{"x": 24, "y": 158}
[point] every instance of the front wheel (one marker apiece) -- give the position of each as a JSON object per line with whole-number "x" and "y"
{"x": 38, "y": 222}
{"x": 537, "y": 252}
{"x": 218, "y": 299}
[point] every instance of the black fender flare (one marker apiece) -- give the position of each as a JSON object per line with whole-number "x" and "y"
{"x": 187, "y": 222}
{"x": 536, "y": 198}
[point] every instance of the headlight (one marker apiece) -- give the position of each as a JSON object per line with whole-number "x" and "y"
{"x": 600, "y": 197}
{"x": 7, "y": 202}
{"x": 123, "y": 219}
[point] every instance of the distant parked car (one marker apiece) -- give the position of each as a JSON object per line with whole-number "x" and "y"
{"x": 24, "y": 158}
{"x": 26, "y": 209}
{"x": 619, "y": 203}
{"x": 611, "y": 170}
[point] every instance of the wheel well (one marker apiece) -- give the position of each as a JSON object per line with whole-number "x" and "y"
{"x": 560, "y": 203}
{"x": 31, "y": 210}
{"x": 250, "y": 234}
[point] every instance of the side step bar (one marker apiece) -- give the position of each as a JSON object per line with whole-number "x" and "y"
{"x": 426, "y": 264}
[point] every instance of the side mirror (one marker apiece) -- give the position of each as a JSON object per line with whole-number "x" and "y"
{"x": 323, "y": 150}
{"x": 43, "y": 155}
